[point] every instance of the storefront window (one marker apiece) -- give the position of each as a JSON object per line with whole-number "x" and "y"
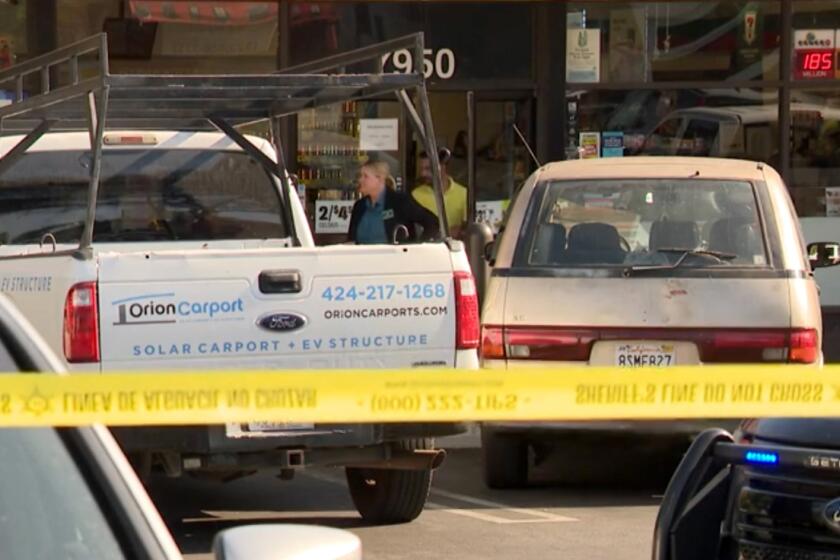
{"x": 458, "y": 48}
{"x": 615, "y": 42}
{"x": 333, "y": 142}
{"x": 736, "y": 123}
{"x": 815, "y": 152}
{"x": 460, "y": 56}
{"x": 12, "y": 43}
{"x": 815, "y": 113}
{"x": 12, "y": 33}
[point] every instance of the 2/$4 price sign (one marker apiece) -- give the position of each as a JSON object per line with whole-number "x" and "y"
{"x": 815, "y": 54}
{"x": 333, "y": 216}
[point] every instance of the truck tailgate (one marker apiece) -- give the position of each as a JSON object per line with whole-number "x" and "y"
{"x": 329, "y": 307}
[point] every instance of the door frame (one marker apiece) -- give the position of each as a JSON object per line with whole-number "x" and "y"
{"x": 473, "y": 98}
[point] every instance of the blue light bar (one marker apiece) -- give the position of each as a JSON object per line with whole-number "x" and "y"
{"x": 762, "y": 457}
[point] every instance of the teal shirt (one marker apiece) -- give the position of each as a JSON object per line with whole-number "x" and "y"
{"x": 371, "y": 228}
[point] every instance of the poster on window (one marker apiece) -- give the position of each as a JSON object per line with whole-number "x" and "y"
{"x": 832, "y": 202}
{"x": 491, "y": 212}
{"x": 612, "y": 144}
{"x": 379, "y": 134}
{"x": 590, "y": 145}
{"x": 583, "y": 55}
{"x": 626, "y": 48}
{"x": 6, "y": 52}
{"x": 749, "y": 44}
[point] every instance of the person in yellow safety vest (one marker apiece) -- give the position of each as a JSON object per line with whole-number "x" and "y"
{"x": 454, "y": 194}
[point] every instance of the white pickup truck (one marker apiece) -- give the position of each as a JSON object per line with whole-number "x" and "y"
{"x": 192, "y": 256}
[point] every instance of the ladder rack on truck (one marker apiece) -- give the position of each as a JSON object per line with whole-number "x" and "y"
{"x": 201, "y": 102}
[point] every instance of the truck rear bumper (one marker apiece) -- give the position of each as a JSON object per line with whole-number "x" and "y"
{"x": 208, "y": 448}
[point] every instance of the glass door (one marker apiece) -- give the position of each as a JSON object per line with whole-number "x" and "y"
{"x": 499, "y": 160}
{"x": 502, "y": 160}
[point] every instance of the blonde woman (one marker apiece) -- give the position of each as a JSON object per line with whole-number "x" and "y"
{"x": 382, "y": 210}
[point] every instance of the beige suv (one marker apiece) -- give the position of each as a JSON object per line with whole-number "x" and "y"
{"x": 644, "y": 262}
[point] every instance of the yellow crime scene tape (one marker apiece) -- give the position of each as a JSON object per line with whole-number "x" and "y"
{"x": 419, "y": 395}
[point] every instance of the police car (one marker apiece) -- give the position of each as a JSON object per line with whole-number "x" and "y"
{"x": 772, "y": 491}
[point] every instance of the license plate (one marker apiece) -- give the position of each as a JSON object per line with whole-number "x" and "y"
{"x": 278, "y": 426}
{"x": 645, "y": 355}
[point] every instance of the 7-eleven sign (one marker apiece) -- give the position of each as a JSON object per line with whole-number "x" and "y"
{"x": 750, "y": 26}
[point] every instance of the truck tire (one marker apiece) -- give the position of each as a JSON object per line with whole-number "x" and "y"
{"x": 386, "y": 496}
{"x": 504, "y": 460}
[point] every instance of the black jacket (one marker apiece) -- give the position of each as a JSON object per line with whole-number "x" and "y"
{"x": 405, "y": 212}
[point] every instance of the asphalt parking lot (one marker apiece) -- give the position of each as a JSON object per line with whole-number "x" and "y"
{"x": 603, "y": 507}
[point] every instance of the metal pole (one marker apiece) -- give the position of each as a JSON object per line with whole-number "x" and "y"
{"x": 785, "y": 64}
{"x": 20, "y": 148}
{"x": 288, "y": 124}
{"x": 103, "y": 54}
{"x": 96, "y": 166}
{"x": 93, "y": 120}
{"x": 276, "y": 139}
{"x": 432, "y": 151}
{"x": 471, "y": 186}
{"x": 429, "y": 140}
{"x": 412, "y": 113}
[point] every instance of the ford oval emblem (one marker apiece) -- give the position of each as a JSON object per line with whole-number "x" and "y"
{"x": 281, "y": 322}
{"x": 831, "y": 515}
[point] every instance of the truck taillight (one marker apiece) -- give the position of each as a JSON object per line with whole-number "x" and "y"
{"x": 81, "y": 324}
{"x": 466, "y": 312}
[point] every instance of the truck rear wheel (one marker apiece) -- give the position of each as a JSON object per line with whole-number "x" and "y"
{"x": 504, "y": 460}
{"x": 385, "y": 496}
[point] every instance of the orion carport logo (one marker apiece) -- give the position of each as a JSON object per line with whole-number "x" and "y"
{"x": 159, "y": 309}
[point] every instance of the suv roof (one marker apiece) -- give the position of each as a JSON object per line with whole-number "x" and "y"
{"x": 644, "y": 167}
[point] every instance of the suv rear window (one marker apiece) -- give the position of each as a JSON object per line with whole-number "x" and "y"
{"x": 597, "y": 223}
{"x": 144, "y": 195}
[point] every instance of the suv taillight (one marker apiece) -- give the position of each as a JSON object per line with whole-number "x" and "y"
{"x": 466, "y": 312}
{"x": 772, "y": 345}
{"x": 804, "y": 346}
{"x": 492, "y": 343}
{"x": 537, "y": 343}
{"x": 81, "y": 324}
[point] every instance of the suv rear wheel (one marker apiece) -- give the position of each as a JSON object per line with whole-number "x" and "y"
{"x": 390, "y": 495}
{"x": 504, "y": 460}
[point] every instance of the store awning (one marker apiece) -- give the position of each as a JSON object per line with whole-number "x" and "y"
{"x": 203, "y": 12}
{"x": 209, "y": 12}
